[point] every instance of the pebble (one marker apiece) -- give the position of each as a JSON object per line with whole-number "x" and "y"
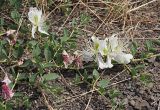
{"x": 129, "y": 108}
{"x": 145, "y": 104}
{"x": 141, "y": 105}
{"x": 132, "y": 102}
{"x": 141, "y": 91}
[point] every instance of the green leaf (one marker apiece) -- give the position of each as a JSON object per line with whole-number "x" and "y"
{"x": 134, "y": 47}
{"x": 141, "y": 66}
{"x": 47, "y": 53}
{"x": 47, "y": 65}
{"x": 65, "y": 36}
{"x": 145, "y": 78}
{"x": 77, "y": 79}
{"x": 22, "y": 76}
{"x": 113, "y": 93}
{"x": 153, "y": 50}
{"x": 103, "y": 83}
{"x": 1, "y": 21}
{"x": 85, "y": 19}
{"x": 32, "y": 78}
{"x": 157, "y": 42}
{"x": 50, "y": 76}
{"x": 85, "y": 75}
{"x": 133, "y": 72}
{"x": 149, "y": 45}
{"x": 102, "y": 91}
{"x": 2, "y": 3}
{"x": 18, "y": 94}
{"x": 64, "y": 39}
{"x": 36, "y": 51}
{"x": 33, "y": 43}
{"x": 18, "y": 51}
{"x": 2, "y": 106}
{"x": 143, "y": 55}
{"x": 74, "y": 22}
{"x": 26, "y": 63}
{"x": 3, "y": 52}
{"x": 9, "y": 106}
{"x": 16, "y": 3}
{"x": 95, "y": 74}
{"x": 15, "y": 15}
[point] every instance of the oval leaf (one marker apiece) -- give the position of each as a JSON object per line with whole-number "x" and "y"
{"x": 50, "y": 76}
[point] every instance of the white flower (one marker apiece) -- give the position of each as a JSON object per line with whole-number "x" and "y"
{"x": 113, "y": 42}
{"x": 95, "y": 44}
{"x": 101, "y": 50}
{"x": 122, "y": 58}
{"x": 100, "y": 46}
{"x": 111, "y": 49}
{"x": 118, "y": 49}
{"x": 102, "y": 64}
{"x": 36, "y": 18}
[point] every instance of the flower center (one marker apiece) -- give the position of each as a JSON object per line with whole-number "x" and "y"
{"x": 36, "y": 20}
{"x": 96, "y": 46}
{"x": 105, "y": 51}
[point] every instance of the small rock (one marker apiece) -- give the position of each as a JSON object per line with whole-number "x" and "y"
{"x": 151, "y": 60}
{"x": 125, "y": 101}
{"x": 141, "y": 91}
{"x": 158, "y": 87}
{"x": 152, "y": 108}
{"x": 89, "y": 108}
{"x": 128, "y": 108}
{"x": 156, "y": 64}
{"x": 128, "y": 97}
{"x": 137, "y": 105}
{"x": 141, "y": 105}
{"x": 132, "y": 102}
{"x": 152, "y": 97}
{"x": 150, "y": 85}
{"x": 145, "y": 105}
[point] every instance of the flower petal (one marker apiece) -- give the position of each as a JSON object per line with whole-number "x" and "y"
{"x": 6, "y": 80}
{"x": 94, "y": 39}
{"x": 113, "y": 41}
{"x": 108, "y": 63}
{"x": 42, "y": 26}
{"x": 34, "y": 15}
{"x": 41, "y": 29}
{"x": 7, "y": 93}
{"x": 96, "y": 43}
{"x": 10, "y": 32}
{"x": 67, "y": 59}
{"x": 34, "y": 28}
{"x": 103, "y": 49}
{"x": 77, "y": 59}
{"x": 122, "y": 58}
{"x": 100, "y": 45}
{"x": 102, "y": 64}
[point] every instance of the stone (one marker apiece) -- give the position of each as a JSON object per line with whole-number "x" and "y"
{"x": 132, "y": 102}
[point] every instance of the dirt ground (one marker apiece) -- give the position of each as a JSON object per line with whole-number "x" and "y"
{"x": 138, "y": 25}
